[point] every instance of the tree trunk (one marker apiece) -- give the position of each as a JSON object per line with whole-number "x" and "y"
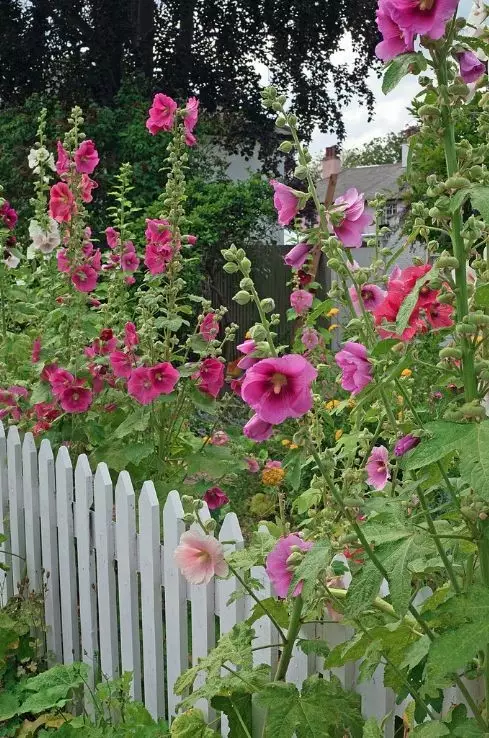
{"x": 143, "y": 24}
{"x": 184, "y": 20}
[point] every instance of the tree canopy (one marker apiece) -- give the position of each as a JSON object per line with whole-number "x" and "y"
{"x": 381, "y": 150}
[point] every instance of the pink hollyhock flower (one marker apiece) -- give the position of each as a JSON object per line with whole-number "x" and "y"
{"x": 59, "y": 379}
{"x": 279, "y": 388}
{"x": 121, "y": 364}
{"x": 378, "y": 467}
{"x": 219, "y": 438}
{"x": 356, "y": 367}
{"x": 141, "y": 386}
{"x": 439, "y": 315}
{"x": 96, "y": 260}
{"x": 164, "y": 377}
{"x": 423, "y": 17}
{"x": 86, "y": 157}
{"x": 353, "y": 218}
{"x": 257, "y": 429}
{"x": 87, "y": 185}
{"x": 18, "y": 390}
{"x": 48, "y": 372}
{"x": 209, "y": 328}
{"x": 113, "y": 237}
{"x": 471, "y": 67}
{"x": 192, "y": 240}
{"x": 84, "y": 278}
{"x": 8, "y": 216}
{"x": 247, "y": 348}
{"x": 399, "y": 287}
{"x": 278, "y": 570}
{"x": 235, "y": 385}
{"x": 76, "y": 399}
{"x": 297, "y": 257}
{"x": 253, "y": 465}
{"x": 286, "y": 202}
{"x": 157, "y": 257}
{"x": 131, "y": 337}
{"x": 36, "y": 351}
{"x": 301, "y": 301}
{"x": 158, "y": 231}
{"x": 372, "y": 297}
{"x": 63, "y": 261}
{"x": 405, "y": 444}
{"x": 129, "y": 261}
{"x": 200, "y": 558}
{"x": 161, "y": 114}
{"x": 210, "y": 376}
{"x": 395, "y": 40}
{"x": 63, "y": 160}
{"x": 309, "y": 338}
{"x": 46, "y": 411}
{"x": 130, "y": 280}
{"x": 62, "y": 205}
{"x": 190, "y": 120}
{"x": 215, "y": 498}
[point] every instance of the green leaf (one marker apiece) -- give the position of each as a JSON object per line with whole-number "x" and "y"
{"x": 396, "y": 558}
{"x": 481, "y": 296}
{"x": 458, "y": 199}
{"x": 236, "y": 706}
{"x": 277, "y": 608}
{"x": 474, "y": 458}
{"x": 9, "y": 705}
{"x": 409, "y": 303}
{"x": 118, "y": 457}
{"x": 416, "y": 653}
{"x": 363, "y": 590}
{"x": 191, "y": 725}
{"x": 294, "y": 471}
{"x": 434, "y": 729}
{"x": 399, "y": 68}
{"x": 281, "y": 700}
{"x": 314, "y": 563}
{"x": 444, "y": 438}
{"x": 255, "y": 553}
{"x": 321, "y": 309}
{"x": 384, "y": 347}
{"x": 479, "y": 197}
{"x": 317, "y": 646}
{"x": 137, "y": 421}
{"x": 371, "y": 729}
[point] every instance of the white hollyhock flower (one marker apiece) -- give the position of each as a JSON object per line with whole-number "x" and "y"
{"x": 10, "y": 260}
{"x": 477, "y": 17}
{"x": 40, "y": 156}
{"x": 44, "y": 240}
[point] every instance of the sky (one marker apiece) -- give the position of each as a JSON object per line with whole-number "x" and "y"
{"x": 390, "y": 112}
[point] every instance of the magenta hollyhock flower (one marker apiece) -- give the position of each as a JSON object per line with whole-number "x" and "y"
{"x": 200, "y": 558}
{"x": 86, "y": 157}
{"x": 157, "y": 257}
{"x": 141, "y": 386}
{"x": 301, "y": 301}
{"x": 209, "y": 328}
{"x": 157, "y": 231}
{"x": 372, "y": 297}
{"x": 87, "y": 185}
{"x": 131, "y": 337}
{"x": 164, "y": 377}
{"x": 423, "y": 17}
{"x": 247, "y": 348}
{"x": 277, "y": 568}
{"x": 439, "y": 315}
{"x": 121, "y": 364}
{"x": 297, "y": 256}
{"x": 63, "y": 160}
{"x": 215, "y": 498}
{"x": 396, "y": 40}
{"x": 286, "y": 202}
{"x": 219, "y": 438}
{"x": 252, "y": 464}
{"x": 405, "y": 444}
{"x": 36, "y": 351}
{"x": 356, "y": 367}
{"x": 210, "y": 376}
{"x": 59, "y": 379}
{"x": 309, "y": 338}
{"x": 190, "y": 120}
{"x": 129, "y": 261}
{"x": 96, "y": 260}
{"x": 257, "y": 429}
{"x": 378, "y": 467}
{"x": 130, "y": 280}
{"x": 62, "y": 205}
{"x": 191, "y": 240}
{"x": 8, "y": 216}
{"x": 279, "y": 388}
{"x": 84, "y": 278}
{"x": 76, "y": 399}
{"x": 113, "y": 237}
{"x": 161, "y": 114}
{"x": 471, "y": 67}
{"x": 353, "y": 218}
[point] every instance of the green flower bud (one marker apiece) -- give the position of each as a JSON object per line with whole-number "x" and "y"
{"x": 245, "y": 264}
{"x": 451, "y": 352}
{"x": 258, "y": 333}
{"x": 428, "y": 111}
{"x": 457, "y": 183}
{"x": 189, "y": 518}
{"x": 301, "y": 172}
{"x": 446, "y": 298}
{"x": 267, "y": 305}
{"x": 466, "y": 330}
{"x": 246, "y": 283}
{"x": 473, "y": 411}
{"x": 286, "y": 147}
{"x": 242, "y": 297}
{"x": 353, "y": 501}
{"x": 445, "y": 261}
{"x": 281, "y": 121}
{"x": 478, "y": 318}
{"x": 230, "y": 268}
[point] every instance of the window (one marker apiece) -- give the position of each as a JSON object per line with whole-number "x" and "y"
{"x": 390, "y": 210}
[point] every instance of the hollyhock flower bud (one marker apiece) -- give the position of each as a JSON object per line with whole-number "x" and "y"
{"x": 86, "y": 157}
{"x": 62, "y": 205}
{"x": 277, "y": 568}
{"x": 471, "y": 67}
{"x": 215, "y": 498}
{"x": 405, "y": 444}
{"x": 301, "y": 301}
{"x": 356, "y": 367}
{"x": 200, "y": 558}
{"x": 351, "y": 218}
{"x": 378, "y": 467}
{"x": 297, "y": 257}
{"x": 191, "y": 240}
{"x": 286, "y": 202}
{"x": 63, "y": 160}
{"x": 258, "y": 430}
{"x": 161, "y": 114}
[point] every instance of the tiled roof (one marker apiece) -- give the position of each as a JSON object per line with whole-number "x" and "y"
{"x": 369, "y": 180}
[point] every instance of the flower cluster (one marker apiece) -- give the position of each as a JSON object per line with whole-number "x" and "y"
{"x": 84, "y": 267}
{"x": 163, "y": 114}
{"x": 121, "y": 256}
{"x": 400, "y": 21}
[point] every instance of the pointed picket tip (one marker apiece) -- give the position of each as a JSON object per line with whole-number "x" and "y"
{"x": 231, "y": 530}
{"x": 13, "y": 438}
{"x": 124, "y": 487}
{"x": 63, "y": 459}
{"x": 29, "y": 445}
{"x": 83, "y": 466}
{"x": 148, "y": 497}
{"x": 45, "y": 451}
{"x": 102, "y": 475}
{"x": 2, "y": 431}
{"x": 173, "y": 504}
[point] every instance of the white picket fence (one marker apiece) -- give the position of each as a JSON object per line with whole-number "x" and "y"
{"x": 114, "y": 597}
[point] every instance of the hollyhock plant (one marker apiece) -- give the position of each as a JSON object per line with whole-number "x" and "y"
{"x": 161, "y": 114}
{"x": 190, "y": 120}
{"x": 129, "y": 260}
{"x": 200, "y": 558}
{"x": 297, "y": 256}
{"x": 395, "y": 40}
{"x": 350, "y": 218}
{"x": 215, "y": 498}
{"x": 356, "y": 368}
{"x": 378, "y": 468}
{"x": 405, "y": 444}
{"x": 157, "y": 257}
{"x": 258, "y": 430}
{"x": 44, "y": 240}
{"x": 372, "y": 297}
{"x": 301, "y": 301}
{"x": 62, "y": 205}
{"x": 471, "y": 67}
{"x": 279, "y": 388}
{"x": 278, "y": 570}
{"x": 209, "y": 328}
{"x": 86, "y": 157}
{"x": 210, "y": 376}
{"x": 141, "y": 386}
{"x": 286, "y": 201}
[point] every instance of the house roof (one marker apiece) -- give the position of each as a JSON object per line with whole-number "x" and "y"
{"x": 369, "y": 180}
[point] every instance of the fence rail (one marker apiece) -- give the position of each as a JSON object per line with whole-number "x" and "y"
{"x": 114, "y": 597}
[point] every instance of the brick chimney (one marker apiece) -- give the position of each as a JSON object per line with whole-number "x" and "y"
{"x": 331, "y": 163}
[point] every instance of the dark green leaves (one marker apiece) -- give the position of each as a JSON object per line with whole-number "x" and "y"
{"x": 443, "y": 438}
{"x": 400, "y": 67}
{"x": 363, "y": 590}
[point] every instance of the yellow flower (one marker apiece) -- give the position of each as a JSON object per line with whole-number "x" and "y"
{"x": 406, "y": 373}
{"x": 400, "y": 415}
{"x": 272, "y": 476}
{"x": 338, "y": 435}
{"x": 247, "y": 335}
{"x": 293, "y": 446}
{"x": 333, "y": 327}
{"x": 331, "y": 404}
{"x": 331, "y": 313}
{"x": 351, "y": 403}
{"x": 286, "y": 442}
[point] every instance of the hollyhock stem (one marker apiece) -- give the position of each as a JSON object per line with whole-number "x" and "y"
{"x": 264, "y": 320}
{"x": 3, "y": 302}
{"x": 253, "y": 596}
{"x": 292, "y": 633}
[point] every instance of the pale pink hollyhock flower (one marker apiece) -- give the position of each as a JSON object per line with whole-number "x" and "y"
{"x": 190, "y": 120}
{"x": 141, "y": 386}
{"x": 76, "y": 399}
{"x": 279, "y": 388}
{"x": 157, "y": 257}
{"x": 423, "y": 17}
{"x": 59, "y": 379}
{"x": 395, "y": 40}
{"x": 161, "y": 114}
{"x": 157, "y": 231}
{"x": 355, "y": 365}
{"x": 253, "y": 465}
{"x": 86, "y": 157}
{"x": 164, "y": 377}
{"x": 297, "y": 256}
{"x": 130, "y": 280}
{"x": 200, "y": 558}
{"x": 36, "y": 351}
{"x": 471, "y": 67}
{"x": 129, "y": 261}
{"x": 121, "y": 364}
{"x": 215, "y": 498}
{"x": 84, "y": 278}
{"x": 131, "y": 337}
{"x": 62, "y": 205}
{"x": 247, "y": 348}
{"x": 210, "y": 376}
{"x": 378, "y": 467}
{"x": 354, "y": 218}
{"x": 87, "y": 185}
{"x": 257, "y": 429}
{"x": 277, "y": 568}
{"x": 219, "y": 438}
{"x": 209, "y": 328}
{"x": 372, "y": 297}
{"x": 63, "y": 160}
{"x": 309, "y": 338}
{"x": 301, "y": 301}
{"x": 113, "y": 237}
{"x": 286, "y": 202}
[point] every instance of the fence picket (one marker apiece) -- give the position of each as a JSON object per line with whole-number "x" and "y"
{"x": 49, "y": 548}
{"x": 266, "y": 635}
{"x": 103, "y": 494}
{"x": 176, "y": 628}
{"x": 151, "y": 601}
{"x": 16, "y": 506}
{"x": 126, "y": 550}
{"x": 67, "y": 560}
{"x": 30, "y": 481}
{"x": 86, "y": 567}
{"x": 6, "y": 588}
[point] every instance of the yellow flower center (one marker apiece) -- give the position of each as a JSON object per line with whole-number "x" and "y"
{"x": 426, "y": 4}
{"x": 278, "y": 381}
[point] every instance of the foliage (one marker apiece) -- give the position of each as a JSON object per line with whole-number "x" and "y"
{"x": 381, "y": 150}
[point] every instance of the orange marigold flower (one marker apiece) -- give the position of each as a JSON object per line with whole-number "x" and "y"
{"x": 406, "y": 373}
